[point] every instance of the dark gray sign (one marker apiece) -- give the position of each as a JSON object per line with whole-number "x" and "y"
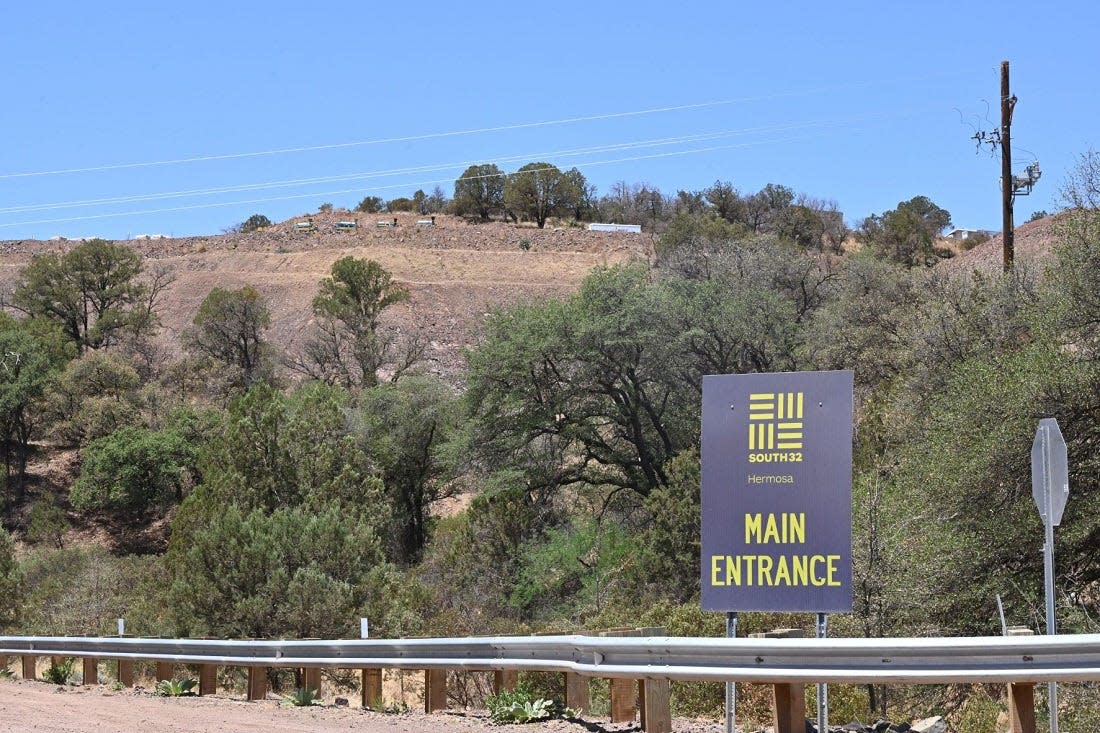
{"x": 777, "y": 492}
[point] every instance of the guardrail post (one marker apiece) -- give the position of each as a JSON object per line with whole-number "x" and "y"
{"x": 3, "y": 661}
{"x": 257, "y": 683}
{"x": 208, "y": 679}
{"x": 126, "y": 672}
{"x": 30, "y": 664}
{"x": 1021, "y": 707}
{"x": 165, "y": 671}
{"x": 311, "y": 679}
{"x": 788, "y": 698}
{"x": 435, "y": 690}
{"x": 576, "y": 692}
{"x": 623, "y": 709}
{"x": 653, "y": 697}
{"x": 90, "y": 670}
{"x": 506, "y": 679}
{"x": 372, "y": 688}
{"x": 1021, "y": 695}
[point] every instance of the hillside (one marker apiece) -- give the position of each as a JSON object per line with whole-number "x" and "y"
{"x": 456, "y": 272}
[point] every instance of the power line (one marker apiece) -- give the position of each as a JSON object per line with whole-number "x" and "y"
{"x": 700, "y": 137}
{"x": 458, "y": 133}
{"x": 380, "y": 188}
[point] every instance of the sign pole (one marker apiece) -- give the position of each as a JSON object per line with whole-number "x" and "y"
{"x": 822, "y": 688}
{"x": 731, "y": 686}
{"x": 1050, "y": 489}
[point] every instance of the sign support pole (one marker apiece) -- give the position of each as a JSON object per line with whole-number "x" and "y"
{"x": 1048, "y": 567}
{"x": 822, "y": 688}
{"x": 731, "y": 687}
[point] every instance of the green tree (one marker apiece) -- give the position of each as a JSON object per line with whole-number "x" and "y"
{"x": 93, "y": 396}
{"x": 370, "y": 205}
{"x": 906, "y": 235}
{"x": 47, "y": 523}
{"x": 294, "y": 572}
{"x": 27, "y": 365}
{"x": 253, "y": 223}
{"x": 349, "y": 347}
{"x": 91, "y": 291}
{"x": 586, "y": 389}
{"x": 539, "y": 191}
{"x": 229, "y": 328}
{"x": 133, "y": 470}
{"x": 407, "y": 430}
{"x": 275, "y": 451}
{"x": 479, "y": 191}
{"x": 11, "y": 583}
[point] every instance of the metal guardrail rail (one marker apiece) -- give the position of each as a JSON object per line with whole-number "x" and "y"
{"x": 880, "y": 661}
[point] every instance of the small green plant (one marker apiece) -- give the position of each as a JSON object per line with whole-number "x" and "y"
{"x": 302, "y": 698}
{"x": 518, "y": 706}
{"x": 176, "y": 688}
{"x": 59, "y": 674}
{"x": 117, "y": 686}
{"x": 525, "y": 244}
{"x": 6, "y": 674}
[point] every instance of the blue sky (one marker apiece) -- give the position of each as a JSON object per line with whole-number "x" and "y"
{"x": 868, "y": 103}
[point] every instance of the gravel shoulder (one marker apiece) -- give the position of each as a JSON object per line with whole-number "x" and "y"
{"x": 37, "y": 706}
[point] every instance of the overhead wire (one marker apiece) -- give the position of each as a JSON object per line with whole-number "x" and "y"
{"x": 674, "y": 140}
{"x": 404, "y": 185}
{"x": 457, "y": 133}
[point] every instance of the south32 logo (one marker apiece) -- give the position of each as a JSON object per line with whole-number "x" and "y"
{"x": 775, "y": 427}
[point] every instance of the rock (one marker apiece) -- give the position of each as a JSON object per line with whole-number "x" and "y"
{"x": 341, "y": 702}
{"x": 930, "y": 725}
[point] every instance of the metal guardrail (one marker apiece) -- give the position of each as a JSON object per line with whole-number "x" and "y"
{"x": 879, "y": 661}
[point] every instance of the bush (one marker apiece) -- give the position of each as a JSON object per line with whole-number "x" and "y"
{"x": 302, "y": 698}
{"x": 176, "y": 688}
{"x": 59, "y": 674}
{"x": 133, "y": 470}
{"x": 520, "y": 706}
{"x": 253, "y": 223}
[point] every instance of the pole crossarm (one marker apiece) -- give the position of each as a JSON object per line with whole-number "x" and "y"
{"x": 861, "y": 661}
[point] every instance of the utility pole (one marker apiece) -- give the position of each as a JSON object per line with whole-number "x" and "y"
{"x": 1008, "y": 102}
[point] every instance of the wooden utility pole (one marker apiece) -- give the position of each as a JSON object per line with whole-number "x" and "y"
{"x": 1008, "y": 102}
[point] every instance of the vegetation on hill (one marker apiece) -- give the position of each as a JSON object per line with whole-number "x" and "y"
{"x": 248, "y": 492}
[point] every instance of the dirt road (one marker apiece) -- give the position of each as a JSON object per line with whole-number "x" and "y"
{"x": 38, "y": 706}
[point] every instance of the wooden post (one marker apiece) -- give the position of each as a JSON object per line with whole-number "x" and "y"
{"x": 257, "y": 683}
{"x": 208, "y": 679}
{"x": 789, "y": 699}
{"x": 506, "y": 679}
{"x": 4, "y": 661}
{"x": 576, "y": 692}
{"x": 623, "y": 708}
{"x": 653, "y": 696}
{"x": 435, "y": 690}
{"x": 790, "y": 707}
{"x": 311, "y": 679}
{"x": 30, "y": 665}
{"x": 1021, "y": 707}
{"x": 372, "y": 688}
{"x": 656, "y": 711}
{"x": 90, "y": 670}
{"x": 126, "y": 672}
{"x": 165, "y": 671}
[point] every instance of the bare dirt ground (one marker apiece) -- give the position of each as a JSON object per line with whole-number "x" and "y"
{"x": 456, "y": 272}
{"x": 38, "y": 706}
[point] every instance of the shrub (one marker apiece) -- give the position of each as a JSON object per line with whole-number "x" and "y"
{"x": 254, "y": 222}
{"x": 302, "y": 698}
{"x": 176, "y": 688}
{"x": 59, "y": 674}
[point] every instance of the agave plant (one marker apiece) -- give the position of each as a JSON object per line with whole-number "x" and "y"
{"x": 176, "y": 688}
{"x": 302, "y": 698}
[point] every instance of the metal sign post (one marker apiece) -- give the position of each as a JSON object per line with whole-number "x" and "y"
{"x": 1050, "y": 489}
{"x": 822, "y": 688}
{"x": 731, "y": 687}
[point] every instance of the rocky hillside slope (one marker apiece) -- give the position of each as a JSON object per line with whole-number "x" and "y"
{"x": 456, "y": 272}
